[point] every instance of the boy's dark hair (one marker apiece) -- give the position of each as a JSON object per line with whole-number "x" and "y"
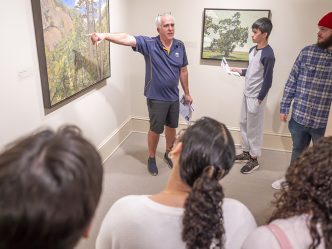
{"x": 50, "y": 184}
{"x": 264, "y": 24}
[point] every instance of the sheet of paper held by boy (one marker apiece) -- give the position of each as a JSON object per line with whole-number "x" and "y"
{"x": 226, "y": 67}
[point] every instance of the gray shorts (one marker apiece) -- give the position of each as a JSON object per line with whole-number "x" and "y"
{"x": 163, "y": 113}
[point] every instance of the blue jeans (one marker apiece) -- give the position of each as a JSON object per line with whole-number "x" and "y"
{"x": 302, "y": 136}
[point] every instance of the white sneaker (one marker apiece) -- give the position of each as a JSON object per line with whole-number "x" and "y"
{"x": 277, "y": 184}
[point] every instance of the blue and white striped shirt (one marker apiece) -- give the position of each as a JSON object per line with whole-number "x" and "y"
{"x": 309, "y": 86}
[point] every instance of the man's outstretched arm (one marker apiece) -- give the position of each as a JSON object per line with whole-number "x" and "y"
{"x": 118, "y": 38}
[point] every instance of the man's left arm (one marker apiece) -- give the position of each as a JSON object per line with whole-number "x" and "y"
{"x": 268, "y": 63}
{"x": 184, "y": 84}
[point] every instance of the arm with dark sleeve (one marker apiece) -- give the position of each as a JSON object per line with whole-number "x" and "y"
{"x": 268, "y": 63}
{"x": 290, "y": 87}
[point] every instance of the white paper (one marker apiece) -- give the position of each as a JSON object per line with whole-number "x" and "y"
{"x": 185, "y": 109}
{"x": 226, "y": 67}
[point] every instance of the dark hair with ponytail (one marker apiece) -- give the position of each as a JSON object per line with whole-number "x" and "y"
{"x": 208, "y": 154}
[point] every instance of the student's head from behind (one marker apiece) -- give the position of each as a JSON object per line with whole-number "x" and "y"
{"x": 308, "y": 189}
{"x": 324, "y": 35}
{"x": 50, "y": 184}
{"x": 261, "y": 29}
{"x": 205, "y": 144}
{"x": 207, "y": 154}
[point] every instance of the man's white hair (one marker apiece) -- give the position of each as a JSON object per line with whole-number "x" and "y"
{"x": 159, "y": 16}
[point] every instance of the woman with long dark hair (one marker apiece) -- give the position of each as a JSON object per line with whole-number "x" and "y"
{"x": 303, "y": 214}
{"x": 191, "y": 212}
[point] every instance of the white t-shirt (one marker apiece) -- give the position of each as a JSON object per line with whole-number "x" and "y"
{"x": 295, "y": 229}
{"x": 137, "y": 222}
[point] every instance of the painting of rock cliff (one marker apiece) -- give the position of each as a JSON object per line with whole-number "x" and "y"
{"x": 69, "y": 64}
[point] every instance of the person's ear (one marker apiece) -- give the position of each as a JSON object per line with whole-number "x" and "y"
{"x": 87, "y": 230}
{"x": 177, "y": 148}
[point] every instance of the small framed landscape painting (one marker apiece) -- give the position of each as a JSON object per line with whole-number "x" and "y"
{"x": 226, "y": 33}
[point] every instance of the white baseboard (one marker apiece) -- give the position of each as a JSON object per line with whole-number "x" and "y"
{"x": 114, "y": 140}
{"x": 271, "y": 141}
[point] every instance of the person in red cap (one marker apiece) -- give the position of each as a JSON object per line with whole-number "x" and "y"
{"x": 309, "y": 87}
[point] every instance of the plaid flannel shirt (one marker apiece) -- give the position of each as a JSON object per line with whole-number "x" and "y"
{"x": 309, "y": 86}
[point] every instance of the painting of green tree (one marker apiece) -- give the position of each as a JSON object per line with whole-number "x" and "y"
{"x": 73, "y": 64}
{"x": 226, "y": 33}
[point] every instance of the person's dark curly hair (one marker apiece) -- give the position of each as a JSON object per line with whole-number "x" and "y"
{"x": 308, "y": 190}
{"x": 207, "y": 155}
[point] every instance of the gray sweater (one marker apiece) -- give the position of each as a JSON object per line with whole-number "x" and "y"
{"x": 259, "y": 74}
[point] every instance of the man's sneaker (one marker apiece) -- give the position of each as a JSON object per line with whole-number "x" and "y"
{"x": 168, "y": 161}
{"x": 243, "y": 157}
{"x": 250, "y": 166}
{"x": 278, "y": 183}
{"x": 152, "y": 166}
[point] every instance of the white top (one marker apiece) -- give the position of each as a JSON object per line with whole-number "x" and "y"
{"x": 137, "y": 222}
{"x": 295, "y": 228}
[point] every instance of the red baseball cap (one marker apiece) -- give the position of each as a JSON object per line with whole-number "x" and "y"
{"x": 326, "y": 21}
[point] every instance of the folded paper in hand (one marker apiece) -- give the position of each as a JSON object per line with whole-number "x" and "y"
{"x": 225, "y": 67}
{"x": 185, "y": 109}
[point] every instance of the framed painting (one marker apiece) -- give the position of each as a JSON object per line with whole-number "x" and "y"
{"x": 68, "y": 62}
{"x": 226, "y": 33}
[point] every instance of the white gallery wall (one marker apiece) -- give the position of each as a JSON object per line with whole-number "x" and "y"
{"x": 102, "y": 111}
{"x": 99, "y": 112}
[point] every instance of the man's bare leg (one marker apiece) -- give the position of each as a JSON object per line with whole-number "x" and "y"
{"x": 153, "y": 139}
{"x": 170, "y": 134}
{"x": 170, "y": 138}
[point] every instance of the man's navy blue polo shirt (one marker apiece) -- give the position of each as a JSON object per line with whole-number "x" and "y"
{"x": 162, "y": 70}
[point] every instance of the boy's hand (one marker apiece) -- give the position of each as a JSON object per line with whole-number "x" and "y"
{"x": 236, "y": 69}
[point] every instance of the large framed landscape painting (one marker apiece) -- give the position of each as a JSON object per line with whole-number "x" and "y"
{"x": 68, "y": 62}
{"x": 226, "y": 33}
